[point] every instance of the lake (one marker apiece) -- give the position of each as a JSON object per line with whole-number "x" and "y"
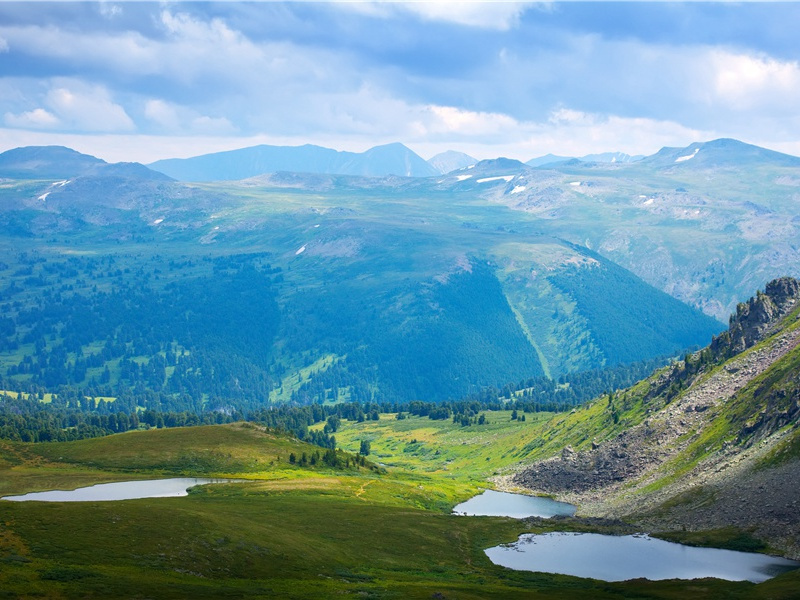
{"x": 518, "y": 506}
{"x": 618, "y": 558}
{"x": 122, "y": 490}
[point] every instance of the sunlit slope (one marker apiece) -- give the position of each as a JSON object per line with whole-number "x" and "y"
{"x": 703, "y": 439}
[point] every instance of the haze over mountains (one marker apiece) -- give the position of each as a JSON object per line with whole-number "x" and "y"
{"x": 392, "y": 159}
{"x": 573, "y": 264}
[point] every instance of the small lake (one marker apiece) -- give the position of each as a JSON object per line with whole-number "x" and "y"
{"x": 122, "y": 490}
{"x": 518, "y": 506}
{"x": 618, "y": 558}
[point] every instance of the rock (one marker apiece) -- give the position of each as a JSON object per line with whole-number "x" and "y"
{"x": 754, "y": 318}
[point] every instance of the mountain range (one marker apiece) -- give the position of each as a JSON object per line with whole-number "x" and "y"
{"x": 391, "y": 159}
{"x": 573, "y": 267}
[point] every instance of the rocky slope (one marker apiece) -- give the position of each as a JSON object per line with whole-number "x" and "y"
{"x": 711, "y": 442}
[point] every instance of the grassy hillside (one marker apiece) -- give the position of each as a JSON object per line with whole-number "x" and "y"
{"x": 289, "y": 532}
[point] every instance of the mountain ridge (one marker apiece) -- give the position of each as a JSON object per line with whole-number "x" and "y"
{"x": 243, "y": 163}
{"x": 690, "y": 446}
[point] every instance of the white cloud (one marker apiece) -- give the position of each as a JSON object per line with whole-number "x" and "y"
{"x": 37, "y": 118}
{"x": 3, "y": 45}
{"x": 110, "y": 10}
{"x": 212, "y": 125}
{"x": 162, "y": 113}
{"x": 87, "y": 107}
{"x": 744, "y": 82}
{"x": 500, "y": 16}
{"x": 486, "y": 15}
{"x": 568, "y": 116}
{"x": 450, "y": 119}
{"x": 196, "y": 47}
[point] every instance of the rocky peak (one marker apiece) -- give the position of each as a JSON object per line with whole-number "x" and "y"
{"x": 755, "y": 318}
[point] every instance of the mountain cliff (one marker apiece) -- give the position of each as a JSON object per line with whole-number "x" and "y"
{"x": 710, "y": 442}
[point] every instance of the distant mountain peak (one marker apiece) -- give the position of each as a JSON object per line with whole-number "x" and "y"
{"x": 547, "y": 159}
{"x": 501, "y": 163}
{"x": 723, "y": 152}
{"x": 46, "y": 162}
{"x": 446, "y": 162}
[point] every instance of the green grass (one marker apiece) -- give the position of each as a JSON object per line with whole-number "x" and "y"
{"x": 730, "y": 538}
{"x": 443, "y": 448}
{"x": 289, "y": 533}
{"x": 293, "y": 381}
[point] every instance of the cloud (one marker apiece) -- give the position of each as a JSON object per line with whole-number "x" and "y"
{"x": 485, "y": 15}
{"x": 37, "y": 118}
{"x": 511, "y": 79}
{"x": 163, "y": 114}
{"x": 212, "y": 125}
{"x": 454, "y": 120}
{"x": 110, "y": 10}
{"x": 745, "y": 82}
{"x": 87, "y": 107}
{"x": 499, "y": 16}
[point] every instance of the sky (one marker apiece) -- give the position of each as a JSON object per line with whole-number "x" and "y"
{"x": 141, "y": 81}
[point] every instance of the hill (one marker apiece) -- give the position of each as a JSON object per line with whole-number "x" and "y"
{"x": 391, "y": 159}
{"x": 706, "y": 444}
{"x": 445, "y": 162}
{"x": 46, "y": 162}
{"x": 718, "y": 153}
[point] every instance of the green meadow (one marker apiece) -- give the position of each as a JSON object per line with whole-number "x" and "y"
{"x": 285, "y": 531}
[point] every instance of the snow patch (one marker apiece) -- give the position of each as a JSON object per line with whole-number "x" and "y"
{"x": 648, "y": 201}
{"x": 463, "y": 177}
{"x": 518, "y": 189}
{"x": 44, "y": 196}
{"x": 300, "y": 250}
{"x": 157, "y": 221}
{"x": 498, "y": 178}
{"x": 688, "y": 156}
{"x": 317, "y": 225}
{"x": 574, "y": 183}
{"x": 60, "y": 183}
{"x": 471, "y": 167}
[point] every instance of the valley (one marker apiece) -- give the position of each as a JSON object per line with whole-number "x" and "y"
{"x": 361, "y": 354}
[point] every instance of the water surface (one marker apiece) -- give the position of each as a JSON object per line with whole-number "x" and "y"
{"x": 122, "y": 490}
{"x": 618, "y": 558}
{"x": 518, "y": 506}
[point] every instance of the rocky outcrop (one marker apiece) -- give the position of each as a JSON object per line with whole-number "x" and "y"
{"x": 754, "y": 318}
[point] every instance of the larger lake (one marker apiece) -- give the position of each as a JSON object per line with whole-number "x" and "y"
{"x": 618, "y": 558}
{"x": 122, "y": 490}
{"x": 519, "y": 506}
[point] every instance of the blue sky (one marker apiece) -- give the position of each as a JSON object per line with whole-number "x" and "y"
{"x": 142, "y": 81}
